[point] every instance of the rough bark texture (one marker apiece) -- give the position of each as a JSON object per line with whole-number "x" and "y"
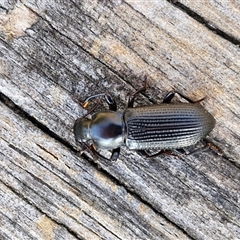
{"x": 51, "y": 51}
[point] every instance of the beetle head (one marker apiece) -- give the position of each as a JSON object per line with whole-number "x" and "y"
{"x": 81, "y": 129}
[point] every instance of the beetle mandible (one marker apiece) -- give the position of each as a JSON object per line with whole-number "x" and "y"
{"x": 162, "y": 126}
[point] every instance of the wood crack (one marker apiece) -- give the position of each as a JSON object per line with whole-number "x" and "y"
{"x": 204, "y": 22}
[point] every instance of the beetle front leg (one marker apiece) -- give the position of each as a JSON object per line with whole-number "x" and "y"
{"x": 114, "y": 156}
{"x": 109, "y": 100}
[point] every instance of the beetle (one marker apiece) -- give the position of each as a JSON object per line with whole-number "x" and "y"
{"x": 163, "y": 127}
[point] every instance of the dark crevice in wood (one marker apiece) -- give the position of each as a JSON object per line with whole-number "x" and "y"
{"x": 17, "y": 227}
{"x": 145, "y": 202}
{"x": 43, "y": 183}
{"x": 4, "y": 237}
{"x": 119, "y": 74}
{"x": 8, "y": 102}
{"x": 82, "y": 48}
{"x": 203, "y": 21}
{"x": 20, "y": 195}
{"x": 18, "y": 110}
{"x": 4, "y": 9}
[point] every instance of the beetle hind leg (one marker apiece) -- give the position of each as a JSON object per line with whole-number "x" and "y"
{"x": 207, "y": 145}
{"x": 133, "y": 96}
{"x": 189, "y": 99}
{"x": 148, "y": 155}
{"x": 169, "y": 96}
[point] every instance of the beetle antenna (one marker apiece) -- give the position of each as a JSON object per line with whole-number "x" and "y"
{"x": 85, "y": 104}
{"x": 91, "y": 110}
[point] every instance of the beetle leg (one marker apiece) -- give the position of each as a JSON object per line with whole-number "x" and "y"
{"x": 132, "y": 97}
{"x": 147, "y": 155}
{"x": 170, "y": 95}
{"x": 208, "y": 145}
{"x": 188, "y": 99}
{"x": 114, "y": 156}
{"x": 109, "y": 100}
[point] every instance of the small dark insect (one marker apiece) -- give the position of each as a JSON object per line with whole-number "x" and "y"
{"x": 164, "y": 126}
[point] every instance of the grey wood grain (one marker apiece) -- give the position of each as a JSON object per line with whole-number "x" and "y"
{"x": 51, "y": 51}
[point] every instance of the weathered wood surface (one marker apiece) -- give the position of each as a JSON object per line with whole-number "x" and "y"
{"x": 52, "y": 50}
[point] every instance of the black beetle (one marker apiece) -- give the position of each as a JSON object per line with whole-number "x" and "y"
{"x": 163, "y": 126}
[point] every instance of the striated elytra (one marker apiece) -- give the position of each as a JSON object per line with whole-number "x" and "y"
{"x": 161, "y": 126}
